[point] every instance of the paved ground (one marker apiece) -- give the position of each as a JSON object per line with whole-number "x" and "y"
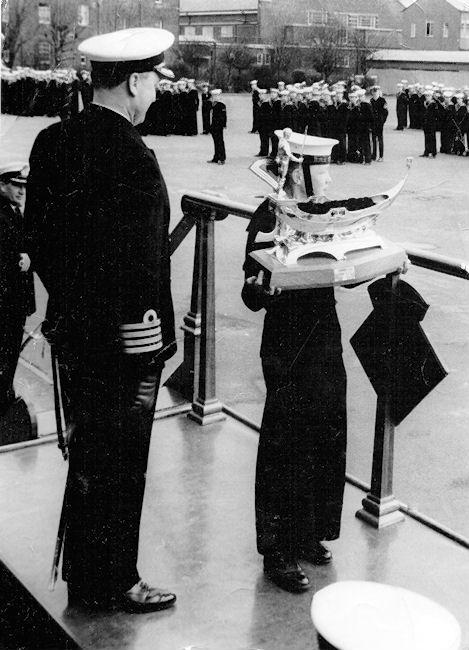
{"x": 432, "y": 446}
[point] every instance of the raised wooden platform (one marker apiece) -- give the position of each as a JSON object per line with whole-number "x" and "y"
{"x": 198, "y": 539}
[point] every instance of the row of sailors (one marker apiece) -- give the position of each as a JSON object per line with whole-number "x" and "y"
{"x": 347, "y": 116}
{"x": 411, "y": 98}
{"x": 30, "y": 92}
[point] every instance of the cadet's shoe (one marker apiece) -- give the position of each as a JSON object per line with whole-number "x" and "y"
{"x": 285, "y": 573}
{"x": 221, "y": 162}
{"x": 317, "y": 554}
{"x": 212, "y": 161}
{"x": 143, "y": 598}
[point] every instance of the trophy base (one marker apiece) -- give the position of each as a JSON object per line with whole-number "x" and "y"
{"x": 338, "y": 248}
{"x": 318, "y": 270}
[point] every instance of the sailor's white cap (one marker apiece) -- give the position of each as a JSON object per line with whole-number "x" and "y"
{"x": 253, "y": 81}
{"x": 14, "y": 172}
{"x": 459, "y": 95}
{"x": 317, "y": 149}
{"x": 139, "y": 49}
{"x": 274, "y": 90}
{"x": 215, "y": 92}
{"x": 447, "y": 94}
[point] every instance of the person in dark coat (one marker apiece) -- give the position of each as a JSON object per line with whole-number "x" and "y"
{"x": 192, "y": 107}
{"x": 97, "y": 212}
{"x": 264, "y": 123}
{"x": 430, "y": 121}
{"x": 206, "y": 108}
{"x": 380, "y": 115}
{"x": 314, "y": 111}
{"x": 217, "y": 125}
{"x": 16, "y": 280}
{"x": 300, "y": 470}
{"x": 460, "y": 117}
{"x": 255, "y": 105}
{"x": 276, "y": 104}
{"x": 402, "y": 102}
{"x": 166, "y": 107}
{"x": 447, "y": 122}
{"x": 339, "y": 126}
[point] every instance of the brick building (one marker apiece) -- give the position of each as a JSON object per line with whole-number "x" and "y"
{"x": 436, "y": 25}
{"x": 45, "y": 33}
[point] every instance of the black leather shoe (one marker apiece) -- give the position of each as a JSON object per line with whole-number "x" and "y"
{"x": 317, "y": 554}
{"x": 143, "y": 598}
{"x": 286, "y": 574}
{"x": 212, "y": 161}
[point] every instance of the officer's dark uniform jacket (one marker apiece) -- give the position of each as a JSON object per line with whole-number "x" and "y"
{"x": 301, "y": 458}
{"x": 16, "y": 296}
{"x": 98, "y": 214}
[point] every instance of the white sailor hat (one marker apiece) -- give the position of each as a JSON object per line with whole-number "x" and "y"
{"x": 284, "y": 93}
{"x": 280, "y": 83}
{"x": 315, "y": 150}
{"x": 14, "y": 172}
{"x": 253, "y": 81}
{"x": 428, "y": 92}
{"x": 459, "y": 95}
{"x": 274, "y": 90}
{"x": 447, "y": 94}
{"x": 139, "y": 49}
{"x": 216, "y": 92}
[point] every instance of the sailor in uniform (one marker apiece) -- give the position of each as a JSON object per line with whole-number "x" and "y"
{"x": 16, "y": 279}
{"x": 300, "y": 471}
{"x": 217, "y": 125}
{"x": 97, "y": 212}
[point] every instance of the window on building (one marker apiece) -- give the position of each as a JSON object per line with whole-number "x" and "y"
{"x": 43, "y": 14}
{"x": 159, "y": 23}
{"x": 464, "y": 35}
{"x": 158, "y": 2}
{"x": 412, "y": 30}
{"x": 189, "y": 30}
{"x": 317, "y": 17}
{"x": 267, "y": 58}
{"x": 263, "y": 58}
{"x": 44, "y": 51}
{"x": 207, "y": 31}
{"x": 429, "y": 28}
{"x": 365, "y": 21}
{"x": 83, "y": 17}
{"x": 345, "y": 61}
{"x": 226, "y": 31}
{"x": 445, "y": 30}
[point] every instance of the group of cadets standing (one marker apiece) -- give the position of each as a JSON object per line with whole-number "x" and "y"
{"x": 30, "y": 92}
{"x": 435, "y": 108}
{"x": 175, "y": 109}
{"x": 331, "y": 112}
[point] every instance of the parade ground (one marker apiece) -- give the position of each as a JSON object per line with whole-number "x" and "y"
{"x": 198, "y": 532}
{"x": 432, "y": 446}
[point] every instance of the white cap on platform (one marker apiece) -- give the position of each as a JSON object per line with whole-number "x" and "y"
{"x": 359, "y": 615}
{"x": 139, "y": 49}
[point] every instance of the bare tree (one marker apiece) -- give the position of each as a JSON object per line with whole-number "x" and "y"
{"x": 235, "y": 58}
{"x": 327, "y": 49}
{"x": 195, "y": 55}
{"x": 363, "y": 43}
{"x": 19, "y": 29}
{"x": 62, "y": 30}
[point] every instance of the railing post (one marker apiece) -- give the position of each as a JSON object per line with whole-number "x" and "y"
{"x": 380, "y": 507}
{"x": 183, "y": 378}
{"x": 206, "y": 408}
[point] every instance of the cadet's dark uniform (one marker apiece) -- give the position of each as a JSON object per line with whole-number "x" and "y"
{"x": 300, "y": 470}
{"x": 217, "y": 125}
{"x": 192, "y": 108}
{"x": 339, "y": 132}
{"x": 430, "y": 121}
{"x": 448, "y": 127}
{"x": 380, "y": 115}
{"x": 255, "y": 110}
{"x": 16, "y": 296}
{"x": 98, "y": 212}
{"x": 402, "y": 102}
{"x": 206, "y": 108}
{"x": 265, "y": 127}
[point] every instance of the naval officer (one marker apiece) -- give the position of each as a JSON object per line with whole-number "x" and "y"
{"x": 98, "y": 215}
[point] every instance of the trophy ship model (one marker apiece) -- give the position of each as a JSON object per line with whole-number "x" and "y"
{"x": 307, "y": 222}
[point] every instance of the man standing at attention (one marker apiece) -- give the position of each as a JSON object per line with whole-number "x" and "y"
{"x": 98, "y": 216}
{"x": 217, "y": 124}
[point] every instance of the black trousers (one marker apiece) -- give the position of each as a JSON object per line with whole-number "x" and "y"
{"x": 377, "y": 142}
{"x": 11, "y": 335}
{"x": 206, "y": 119}
{"x": 339, "y": 151}
{"x": 111, "y": 401}
{"x": 219, "y": 146}
{"x": 300, "y": 473}
{"x": 430, "y": 142}
{"x": 264, "y": 137}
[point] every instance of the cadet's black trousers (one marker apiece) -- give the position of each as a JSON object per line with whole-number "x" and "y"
{"x": 300, "y": 473}
{"x": 111, "y": 400}
{"x": 377, "y": 141}
{"x": 11, "y": 335}
{"x": 219, "y": 145}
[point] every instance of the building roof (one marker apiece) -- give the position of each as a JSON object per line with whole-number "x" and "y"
{"x": 460, "y": 5}
{"x": 422, "y": 56}
{"x": 217, "y": 6}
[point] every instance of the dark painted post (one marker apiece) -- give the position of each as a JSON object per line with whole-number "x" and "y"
{"x": 206, "y": 408}
{"x": 380, "y": 507}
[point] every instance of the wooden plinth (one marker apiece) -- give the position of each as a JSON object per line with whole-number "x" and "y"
{"x": 322, "y": 271}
